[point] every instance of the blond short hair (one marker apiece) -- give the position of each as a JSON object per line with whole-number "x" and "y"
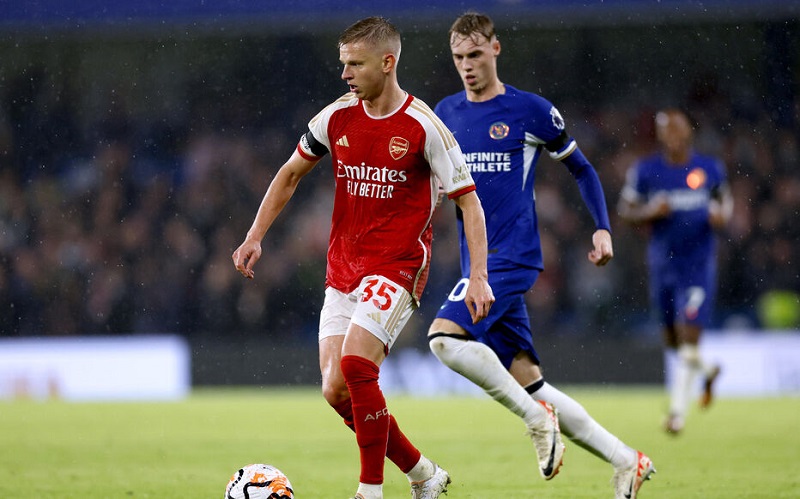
{"x": 375, "y": 31}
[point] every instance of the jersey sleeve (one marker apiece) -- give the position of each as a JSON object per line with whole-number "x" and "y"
{"x": 547, "y": 128}
{"x": 555, "y": 137}
{"x": 450, "y": 168}
{"x": 443, "y": 152}
{"x": 316, "y": 143}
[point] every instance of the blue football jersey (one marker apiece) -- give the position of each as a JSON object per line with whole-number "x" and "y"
{"x": 502, "y": 140}
{"x": 685, "y": 240}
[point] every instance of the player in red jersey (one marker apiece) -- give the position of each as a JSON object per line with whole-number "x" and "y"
{"x": 390, "y": 153}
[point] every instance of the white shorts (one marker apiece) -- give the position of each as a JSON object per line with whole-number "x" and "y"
{"x": 379, "y": 305}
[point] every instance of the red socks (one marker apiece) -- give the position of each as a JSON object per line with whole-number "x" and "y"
{"x": 370, "y": 415}
{"x": 399, "y": 449}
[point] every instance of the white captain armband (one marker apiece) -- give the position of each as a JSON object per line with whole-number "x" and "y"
{"x": 311, "y": 146}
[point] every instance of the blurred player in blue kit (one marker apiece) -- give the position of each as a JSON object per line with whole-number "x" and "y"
{"x": 684, "y": 197}
{"x": 502, "y": 132}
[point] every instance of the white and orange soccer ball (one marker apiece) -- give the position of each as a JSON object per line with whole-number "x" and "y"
{"x": 259, "y": 481}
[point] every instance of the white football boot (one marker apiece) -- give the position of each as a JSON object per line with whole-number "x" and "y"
{"x": 433, "y": 487}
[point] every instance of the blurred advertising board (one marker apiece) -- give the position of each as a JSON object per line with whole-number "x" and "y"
{"x": 95, "y": 368}
{"x": 754, "y": 363}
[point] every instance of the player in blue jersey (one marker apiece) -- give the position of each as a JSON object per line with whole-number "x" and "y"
{"x": 502, "y": 132}
{"x": 684, "y": 197}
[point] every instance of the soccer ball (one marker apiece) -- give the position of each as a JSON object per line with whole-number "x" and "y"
{"x": 259, "y": 481}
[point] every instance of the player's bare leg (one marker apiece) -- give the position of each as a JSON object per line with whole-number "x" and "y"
{"x": 334, "y": 389}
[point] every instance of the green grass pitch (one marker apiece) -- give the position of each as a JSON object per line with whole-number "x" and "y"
{"x": 740, "y": 448}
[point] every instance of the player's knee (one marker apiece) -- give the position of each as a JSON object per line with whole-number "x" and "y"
{"x": 438, "y": 345}
{"x": 334, "y": 393}
{"x": 445, "y": 348}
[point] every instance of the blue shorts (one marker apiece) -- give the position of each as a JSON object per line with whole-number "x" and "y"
{"x": 684, "y": 297}
{"x": 507, "y": 329}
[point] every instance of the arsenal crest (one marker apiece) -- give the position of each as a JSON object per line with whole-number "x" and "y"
{"x": 398, "y": 147}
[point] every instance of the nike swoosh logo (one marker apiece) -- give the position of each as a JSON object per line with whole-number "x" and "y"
{"x": 549, "y": 469}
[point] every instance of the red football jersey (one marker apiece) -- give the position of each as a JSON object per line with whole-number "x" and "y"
{"x": 387, "y": 173}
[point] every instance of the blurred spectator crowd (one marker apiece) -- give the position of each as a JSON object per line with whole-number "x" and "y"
{"x": 117, "y": 226}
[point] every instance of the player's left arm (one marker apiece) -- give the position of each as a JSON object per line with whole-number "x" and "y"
{"x": 479, "y": 298}
{"x": 720, "y": 208}
{"x": 592, "y": 193}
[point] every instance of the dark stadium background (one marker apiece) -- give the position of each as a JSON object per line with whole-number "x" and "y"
{"x": 137, "y": 139}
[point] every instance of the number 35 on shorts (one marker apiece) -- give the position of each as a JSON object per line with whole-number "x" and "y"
{"x": 379, "y": 292}
{"x": 385, "y": 303}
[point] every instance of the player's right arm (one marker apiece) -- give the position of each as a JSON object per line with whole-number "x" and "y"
{"x": 638, "y": 212}
{"x": 280, "y": 190}
{"x": 454, "y": 179}
{"x": 479, "y": 297}
{"x": 635, "y": 208}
